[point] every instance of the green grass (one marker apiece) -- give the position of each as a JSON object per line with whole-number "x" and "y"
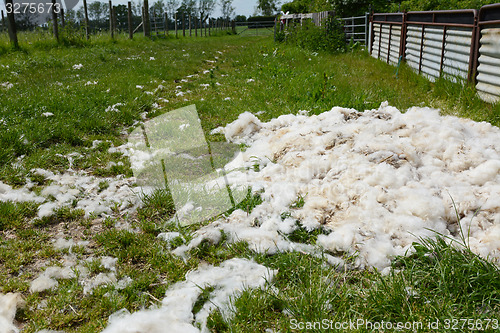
{"x": 438, "y": 282}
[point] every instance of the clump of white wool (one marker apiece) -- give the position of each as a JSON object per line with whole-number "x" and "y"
{"x": 228, "y": 280}
{"x": 48, "y": 279}
{"x": 376, "y": 181}
{"x": 67, "y": 188}
{"x": 8, "y": 307}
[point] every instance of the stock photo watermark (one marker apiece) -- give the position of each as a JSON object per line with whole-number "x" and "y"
{"x": 171, "y": 152}
{"x": 455, "y": 324}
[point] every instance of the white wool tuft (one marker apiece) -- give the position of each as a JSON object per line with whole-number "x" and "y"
{"x": 109, "y": 263}
{"x": 8, "y": 307}
{"x": 245, "y": 125}
{"x": 99, "y": 280}
{"x": 228, "y": 280}
{"x": 61, "y": 243}
{"x": 47, "y": 280}
{"x": 42, "y": 283}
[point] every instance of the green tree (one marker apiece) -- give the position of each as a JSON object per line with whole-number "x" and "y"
{"x": 171, "y": 7}
{"x": 121, "y": 16}
{"x": 205, "y": 8}
{"x": 240, "y": 18}
{"x": 296, "y": 7}
{"x": 98, "y": 11}
{"x": 414, "y": 5}
{"x": 157, "y": 9}
{"x": 227, "y": 9}
{"x": 267, "y": 7}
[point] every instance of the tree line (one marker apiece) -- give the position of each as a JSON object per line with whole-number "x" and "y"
{"x": 348, "y": 8}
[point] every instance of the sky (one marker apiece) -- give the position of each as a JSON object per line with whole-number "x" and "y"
{"x": 242, "y": 7}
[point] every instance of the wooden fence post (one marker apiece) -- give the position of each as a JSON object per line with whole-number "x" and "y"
{"x": 147, "y": 25}
{"x": 201, "y": 27}
{"x": 4, "y": 25}
{"x": 115, "y": 25}
{"x": 176, "y": 36}
{"x": 166, "y": 23}
{"x": 183, "y": 24}
{"x": 12, "y": 25}
{"x": 54, "y": 20}
{"x": 190, "y": 31}
{"x": 111, "y": 19}
{"x": 86, "y": 19}
{"x": 130, "y": 28}
{"x": 62, "y": 17}
{"x": 195, "y": 27}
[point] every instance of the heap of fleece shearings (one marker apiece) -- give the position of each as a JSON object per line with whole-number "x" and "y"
{"x": 376, "y": 181}
{"x": 175, "y": 314}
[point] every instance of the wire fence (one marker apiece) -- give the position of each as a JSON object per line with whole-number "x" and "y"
{"x": 112, "y": 19}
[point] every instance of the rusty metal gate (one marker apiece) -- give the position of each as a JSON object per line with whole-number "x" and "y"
{"x": 458, "y": 45}
{"x": 488, "y": 63}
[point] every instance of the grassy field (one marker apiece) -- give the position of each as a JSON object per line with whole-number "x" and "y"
{"x": 50, "y": 107}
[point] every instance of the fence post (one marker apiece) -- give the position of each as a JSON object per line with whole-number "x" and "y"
{"x": 147, "y": 25}
{"x": 421, "y": 49}
{"x": 62, "y": 17}
{"x": 190, "y": 31}
{"x": 3, "y": 22}
{"x": 233, "y": 26}
{"x": 115, "y": 27}
{"x": 166, "y": 23}
{"x": 404, "y": 33}
{"x": 195, "y": 27}
{"x": 275, "y": 22}
{"x": 183, "y": 24}
{"x": 130, "y": 28}
{"x": 443, "y": 45}
{"x": 12, "y": 25}
{"x": 54, "y": 20}
{"x": 389, "y": 44}
{"x": 111, "y": 19}
{"x": 176, "y": 36}
{"x": 367, "y": 28}
{"x": 86, "y": 19}
{"x": 473, "y": 58}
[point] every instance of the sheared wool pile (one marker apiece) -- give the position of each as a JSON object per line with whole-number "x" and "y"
{"x": 175, "y": 314}
{"x": 376, "y": 180}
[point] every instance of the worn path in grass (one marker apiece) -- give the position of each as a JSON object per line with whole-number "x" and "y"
{"x": 62, "y": 109}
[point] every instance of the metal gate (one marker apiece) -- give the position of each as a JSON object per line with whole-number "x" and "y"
{"x": 356, "y": 27}
{"x": 263, "y": 28}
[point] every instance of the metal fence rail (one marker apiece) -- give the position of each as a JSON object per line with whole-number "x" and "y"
{"x": 262, "y": 28}
{"x": 355, "y": 28}
{"x": 488, "y": 63}
{"x": 458, "y": 45}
